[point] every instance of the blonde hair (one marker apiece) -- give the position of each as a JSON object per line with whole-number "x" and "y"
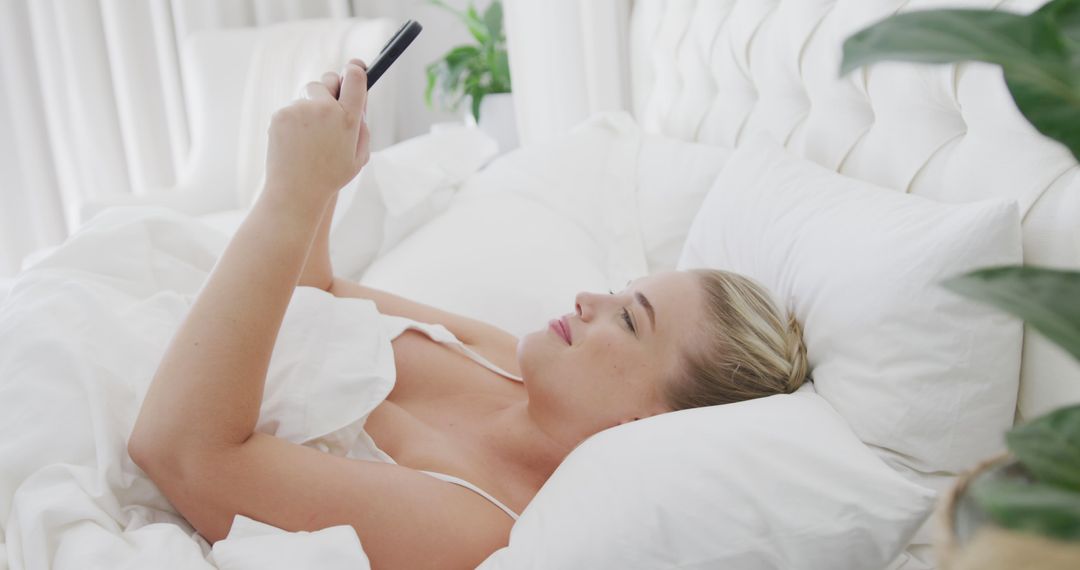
{"x": 749, "y": 349}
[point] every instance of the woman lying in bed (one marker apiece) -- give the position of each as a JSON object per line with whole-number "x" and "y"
{"x": 666, "y": 342}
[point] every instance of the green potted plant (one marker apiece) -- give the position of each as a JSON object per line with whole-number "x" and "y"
{"x": 477, "y": 72}
{"x": 1021, "y": 510}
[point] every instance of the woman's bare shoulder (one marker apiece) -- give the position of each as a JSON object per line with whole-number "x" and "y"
{"x": 468, "y": 330}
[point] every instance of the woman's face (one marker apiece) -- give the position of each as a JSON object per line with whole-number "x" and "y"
{"x": 622, "y": 347}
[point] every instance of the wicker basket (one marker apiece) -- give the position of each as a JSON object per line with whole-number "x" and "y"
{"x": 968, "y": 542}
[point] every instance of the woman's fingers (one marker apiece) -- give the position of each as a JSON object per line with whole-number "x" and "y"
{"x": 328, "y": 84}
{"x": 361, "y": 63}
{"x": 332, "y": 82}
{"x": 353, "y": 96}
{"x": 316, "y": 90}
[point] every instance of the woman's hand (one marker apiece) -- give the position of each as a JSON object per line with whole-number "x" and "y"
{"x": 318, "y": 143}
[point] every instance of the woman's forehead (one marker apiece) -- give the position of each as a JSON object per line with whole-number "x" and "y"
{"x": 674, "y": 296}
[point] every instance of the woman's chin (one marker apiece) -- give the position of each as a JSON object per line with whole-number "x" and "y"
{"x": 532, "y": 347}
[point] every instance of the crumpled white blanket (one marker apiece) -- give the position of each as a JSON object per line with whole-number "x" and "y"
{"x": 81, "y": 334}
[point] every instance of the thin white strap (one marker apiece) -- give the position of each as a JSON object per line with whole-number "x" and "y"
{"x": 470, "y": 486}
{"x": 485, "y": 362}
{"x": 442, "y": 334}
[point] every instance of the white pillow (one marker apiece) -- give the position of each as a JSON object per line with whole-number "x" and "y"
{"x": 602, "y": 205}
{"x": 401, "y": 188}
{"x": 773, "y": 483}
{"x": 673, "y": 177}
{"x": 505, "y": 260}
{"x": 927, "y": 378}
{"x": 530, "y": 231}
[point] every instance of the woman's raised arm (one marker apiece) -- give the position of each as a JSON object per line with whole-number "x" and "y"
{"x": 207, "y": 390}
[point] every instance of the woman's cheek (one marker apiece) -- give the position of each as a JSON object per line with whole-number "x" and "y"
{"x": 611, "y": 355}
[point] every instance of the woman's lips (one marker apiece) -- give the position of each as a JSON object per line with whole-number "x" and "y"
{"x": 566, "y": 328}
{"x": 559, "y": 326}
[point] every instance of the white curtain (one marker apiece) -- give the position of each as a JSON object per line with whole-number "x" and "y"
{"x": 92, "y": 101}
{"x": 559, "y": 77}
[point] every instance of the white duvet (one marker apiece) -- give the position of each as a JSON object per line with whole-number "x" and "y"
{"x": 81, "y": 334}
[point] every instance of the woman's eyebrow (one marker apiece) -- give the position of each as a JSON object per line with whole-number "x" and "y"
{"x": 645, "y": 303}
{"x": 648, "y": 308}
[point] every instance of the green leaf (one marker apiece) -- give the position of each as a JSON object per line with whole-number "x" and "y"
{"x": 472, "y": 69}
{"x": 1048, "y": 299}
{"x": 1051, "y": 111}
{"x": 1049, "y": 447}
{"x": 1037, "y": 52}
{"x": 476, "y": 25}
{"x": 1066, "y": 15}
{"x": 461, "y": 54}
{"x": 477, "y": 95}
{"x": 451, "y": 82}
{"x": 431, "y": 77}
{"x": 493, "y": 20}
{"x": 444, "y": 76}
{"x": 472, "y": 82}
{"x": 458, "y": 67}
{"x": 473, "y": 14}
{"x": 946, "y": 36}
{"x": 469, "y": 17}
{"x": 1030, "y": 507}
{"x": 500, "y": 73}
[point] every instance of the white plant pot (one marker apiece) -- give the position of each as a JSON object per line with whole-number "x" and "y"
{"x": 497, "y": 119}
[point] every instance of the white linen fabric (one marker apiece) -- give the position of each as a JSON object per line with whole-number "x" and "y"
{"x": 81, "y": 335}
{"x": 777, "y": 482}
{"x": 252, "y": 545}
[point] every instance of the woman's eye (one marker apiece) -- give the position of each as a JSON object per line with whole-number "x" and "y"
{"x": 626, "y": 317}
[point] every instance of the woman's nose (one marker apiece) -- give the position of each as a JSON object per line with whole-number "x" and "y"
{"x": 585, "y": 304}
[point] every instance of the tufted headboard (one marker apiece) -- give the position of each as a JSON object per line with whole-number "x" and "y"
{"x": 716, "y": 71}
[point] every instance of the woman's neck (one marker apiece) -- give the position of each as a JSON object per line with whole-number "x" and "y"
{"x": 521, "y": 443}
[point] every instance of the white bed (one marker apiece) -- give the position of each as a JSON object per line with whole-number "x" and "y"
{"x": 702, "y": 79}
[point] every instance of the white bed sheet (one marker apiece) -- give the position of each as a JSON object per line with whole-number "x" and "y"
{"x": 80, "y": 338}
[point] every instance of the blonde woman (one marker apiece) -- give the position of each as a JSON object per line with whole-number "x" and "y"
{"x": 471, "y": 436}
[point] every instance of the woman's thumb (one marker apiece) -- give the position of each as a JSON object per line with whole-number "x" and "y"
{"x": 354, "y": 90}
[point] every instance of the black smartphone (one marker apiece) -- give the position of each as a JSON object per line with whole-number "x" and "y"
{"x": 390, "y": 52}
